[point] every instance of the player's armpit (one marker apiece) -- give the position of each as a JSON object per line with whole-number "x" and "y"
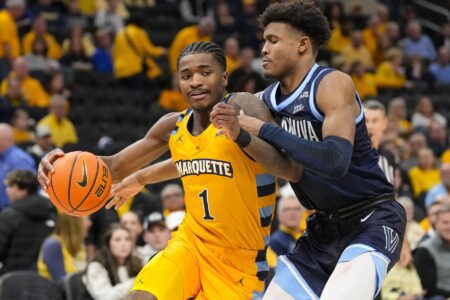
{"x": 144, "y": 151}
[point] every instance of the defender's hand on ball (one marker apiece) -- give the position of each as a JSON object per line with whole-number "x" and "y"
{"x": 46, "y": 166}
{"x": 123, "y": 191}
{"x": 224, "y": 118}
{"x": 250, "y": 124}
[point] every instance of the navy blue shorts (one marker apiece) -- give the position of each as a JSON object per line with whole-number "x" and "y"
{"x": 378, "y": 230}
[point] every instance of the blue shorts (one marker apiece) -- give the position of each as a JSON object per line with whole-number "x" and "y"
{"x": 378, "y": 230}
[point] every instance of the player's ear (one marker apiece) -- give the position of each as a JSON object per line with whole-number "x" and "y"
{"x": 303, "y": 44}
{"x": 225, "y": 79}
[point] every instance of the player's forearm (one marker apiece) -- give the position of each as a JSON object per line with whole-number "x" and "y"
{"x": 273, "y": 161}
{"x": 161, "y": 171}
{"x": 330, "y": 157}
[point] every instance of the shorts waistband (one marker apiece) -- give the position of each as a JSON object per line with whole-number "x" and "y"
{"x": 351, "y": 210}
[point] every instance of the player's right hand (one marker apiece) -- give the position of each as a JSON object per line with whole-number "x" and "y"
{"x": 124, "y": 190}
{"x": 46, "y": 165}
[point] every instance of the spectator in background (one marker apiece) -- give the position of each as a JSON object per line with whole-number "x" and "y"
{"x": 334, "y": 11}
{"x": 43, "y": 143}
{"x": 56, "y": 85}
{"x": 392, "y": 32}
{"x": 101, "y": 222}
{"x": 172, "y": 197}
{"x": 390, "y": 73}
{"x": 372, "y": 34}
{"x": 63, "y": 252}
{"x": 9, "y": 36}
{"x": 365, "y": 82}
{"x": 20, "y": 122}
{"x": 429, "y": 223}
{"x": 425, "y": 115}
{"x": 76, "y": 33}
{"x": 76, "y": 58}
{"x": 403, "y": 282}
{"x": 416, "y": 142}
{"x": 193, "y": 10}
{"x": 110, "y": 275}
{"x": 39, "y": 31}
{"x": 156, "y": 235}
{"x": 74, "y": 16}
{"x": 226, "y": 24}
{"x": 130, "y": 220}
{"x": 440, "y": 189}
{"x": 63, "y": 131}
{"x": 51, "y": 12}
{"x": 102, "y": 58}
{"x": 231, "y": 49}
{"x": 195, "y": 33}
{"x": 341, "y": 36}
{"x": 444, "y": 39}
{"x": 25, "y": 224}
{"x": 437, "y": 138}
{"x": 107, "y": 18}
{"x": 33, "y": 91}
{"x": 414, "y": 232}
{"x": 417, "y": 72}
{"x": 432, "y": 257}
{"x": 441, "y": 68}
{"x": 171, "y": 99}
{"x": 397, "y": 113}
{"x": 425, "y": 175}
{"x": 38, "y": 60}
{"x": 12, "y": 158}
{"x": 417, "y": 43}
{"x": 239, "y": 77}
{"x": 357, "y": 51}
{"x": 132, "y": 51}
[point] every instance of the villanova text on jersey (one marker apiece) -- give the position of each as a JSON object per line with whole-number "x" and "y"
{"x": 298, "y": 114}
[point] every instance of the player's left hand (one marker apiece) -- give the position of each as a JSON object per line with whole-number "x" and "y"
{"x": 252, "y": 125}
{"x": 223, "y": 117}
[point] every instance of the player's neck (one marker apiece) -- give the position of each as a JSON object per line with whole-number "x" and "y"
{"x": 200, "y": 122}
{"x": 291, "y": 80}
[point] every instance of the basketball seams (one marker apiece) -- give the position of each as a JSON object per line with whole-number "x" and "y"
{"x": 89, "y": 192}
{"x": 70, "y": 181}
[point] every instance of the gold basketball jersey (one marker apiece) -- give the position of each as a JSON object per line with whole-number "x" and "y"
{"x": 229, "y": 197}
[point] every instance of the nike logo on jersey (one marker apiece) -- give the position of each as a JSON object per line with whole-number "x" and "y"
{"x": 366, "y": 217}
{"x": 83, "y": 182}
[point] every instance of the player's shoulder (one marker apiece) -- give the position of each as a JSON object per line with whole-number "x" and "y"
{"x": 334, "y": 82}
{"x": 251, "y": 105}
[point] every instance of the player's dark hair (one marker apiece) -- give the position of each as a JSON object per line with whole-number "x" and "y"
{"x": 205, "y": 47}
{"x": 24, "y": 179}
{"x": 374, "y": 105}
{"x": 304, "y": 16}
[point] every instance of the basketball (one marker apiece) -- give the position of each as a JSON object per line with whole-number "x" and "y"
{"x": 80, "y": 184}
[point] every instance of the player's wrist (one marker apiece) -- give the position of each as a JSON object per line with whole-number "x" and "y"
{"x": 243, "y": 139}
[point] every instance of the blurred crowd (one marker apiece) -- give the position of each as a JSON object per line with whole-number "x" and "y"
{"x": 401, "y": 71}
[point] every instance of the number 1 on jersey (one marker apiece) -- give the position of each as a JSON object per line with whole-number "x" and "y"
{"x": 204, "y": 196}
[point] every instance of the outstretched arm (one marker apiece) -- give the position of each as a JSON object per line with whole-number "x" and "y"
{"x": 274, "y": 161}
{"x": 330, "y": 157}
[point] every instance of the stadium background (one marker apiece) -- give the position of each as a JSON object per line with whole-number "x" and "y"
{"x": 107, "y": 68}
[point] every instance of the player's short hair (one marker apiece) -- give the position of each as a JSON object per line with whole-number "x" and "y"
{"x": 374, "y": 105}
{"x": 205, "y": 47}
{"x": 304, "y": 16}
{"x": 24, "y": 180}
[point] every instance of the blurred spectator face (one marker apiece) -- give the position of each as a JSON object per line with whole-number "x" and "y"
{"x": 40, "y": 26}
{"x": 414, "y": 30}
{"x": 290, "y": 212}
{"x": 383, "y": 12}
{"x": 357, "y": 39}
{"x": 438, "y": 133}
{"x": 86, "y": 225}
{"x": 222, "y": 9}
{"x": 397, "y": 60}
{"x": 346, "y": 27}
{"x": 446, "y": 30}
{"x": 103, "y": 39}
{"x": 443, "y": 225}
{"x": 416, "y": 142}
{"x": 14, "y": 192}
{"x": 392, "y": 31}
{"x": 17, "y": 11}
{"x": 445, "y": 174}
{"x": 6, "y": 137}
{"x": 44, "y": 139}
{"x": 232, "y": 47}
{"x": 425, "y": 106}
{"x": 359, "y": 69}
{"x": 14, "y": 90}
{"x": 374, "y": 22}
{"x": 57, "y": 84}
{"x": 45, "y": 2}
{"x": 408, "y": 205}
{"x": 76, "y": 31}
{"x": 443, "y": 56}
{"x": 130, "y": 221}
{"x": 172, "y": 197}
{"x": 426, "y": 159}
{"x": 58, "y": 106}
{"x": 20, "y": 119}
{"x": 157, "y": 236}
{"x": 336, "y": 11}
{"x": 376, "y": 123}
{"x": 432, "y": 212}
{"x": 39, "y": 47}
{"x": 397, "y": 108}
{"x": 247, "y": 57}
{"x": 206, "y": 26}
{"x": 112, "y": 4}
{"x": 121, "y": 244}
{"x": 20, "y": 68}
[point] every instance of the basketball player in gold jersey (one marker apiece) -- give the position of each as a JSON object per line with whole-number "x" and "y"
{"x": 218, "y": 251}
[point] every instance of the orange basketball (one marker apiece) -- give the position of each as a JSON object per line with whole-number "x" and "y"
{"x": 80, "y": 184}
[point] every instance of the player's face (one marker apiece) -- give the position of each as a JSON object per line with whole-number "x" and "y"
{"x": 202, "y": 80}
{"x": 120, "y": 244}
{"x": 376, "y": 123}
{"x": 281, "y": 50}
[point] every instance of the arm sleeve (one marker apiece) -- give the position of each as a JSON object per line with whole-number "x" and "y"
{"x": 99, "y": 285}
{"x": 53, "y": 258}
{"x": 330, "y": 157}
